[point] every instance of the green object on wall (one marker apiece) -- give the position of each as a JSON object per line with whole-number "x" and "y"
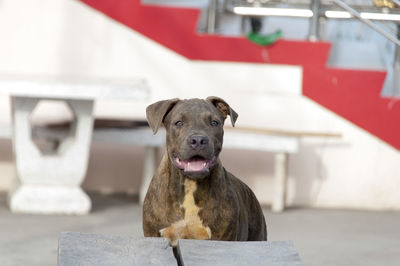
{"x": 264, "y": 40}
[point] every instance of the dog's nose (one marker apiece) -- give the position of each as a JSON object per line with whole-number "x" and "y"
{"x": 198, "y": 142}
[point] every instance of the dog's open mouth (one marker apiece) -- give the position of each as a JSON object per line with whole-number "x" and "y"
{"x": 195, "y": 164}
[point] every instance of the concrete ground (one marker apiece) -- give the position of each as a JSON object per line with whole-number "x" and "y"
{"x": 322, "y": 237}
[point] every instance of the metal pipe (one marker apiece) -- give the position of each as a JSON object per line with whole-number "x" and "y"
{"x": 366, "y": 21}
{"x": 243, "y": 21}
{"x": 314, "y": 23}
{"x": 396, "y": 68}
{"x": 396, "y": 72}
{"x": 212, "y": 16}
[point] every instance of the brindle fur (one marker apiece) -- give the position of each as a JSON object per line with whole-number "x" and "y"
{"x": 226, "y": 207}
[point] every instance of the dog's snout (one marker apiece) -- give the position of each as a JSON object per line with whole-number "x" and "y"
{"x": 198, "y": 142}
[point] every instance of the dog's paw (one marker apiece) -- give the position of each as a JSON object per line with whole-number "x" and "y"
{"x": 184, "y": 230}
{"x": 174, "y": 232}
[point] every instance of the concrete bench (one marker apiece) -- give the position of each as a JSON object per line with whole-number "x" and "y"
{"x": 46, "y": 182}
{"x": 282, "y": 146}
{"x": 93, "y": 249}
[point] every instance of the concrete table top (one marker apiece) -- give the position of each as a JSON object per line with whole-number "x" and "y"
{"x": 93, "y": 249}
{"x": 230, "y": 253}
{"x": 55, "y": 87}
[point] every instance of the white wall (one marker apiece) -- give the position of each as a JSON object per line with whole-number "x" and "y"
{"x": 67, "y": 38}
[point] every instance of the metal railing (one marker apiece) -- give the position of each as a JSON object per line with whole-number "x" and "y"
{"x": 314, "y": 10}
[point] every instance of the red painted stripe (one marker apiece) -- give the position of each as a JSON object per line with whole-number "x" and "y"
{"x": 352, "y": 94}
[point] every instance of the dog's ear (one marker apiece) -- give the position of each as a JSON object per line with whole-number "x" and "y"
{"x": 156, "y": 112}
{"x": 224, "y": 108}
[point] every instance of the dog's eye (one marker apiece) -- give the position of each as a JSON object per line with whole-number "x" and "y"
{"x": 214, "y": 123}
{"x": 179, "y": 123}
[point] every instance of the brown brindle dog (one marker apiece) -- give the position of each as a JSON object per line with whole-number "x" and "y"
{"x": 191, "y": 195}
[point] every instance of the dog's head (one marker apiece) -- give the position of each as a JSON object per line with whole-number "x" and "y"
{"x": 194, "y": 131}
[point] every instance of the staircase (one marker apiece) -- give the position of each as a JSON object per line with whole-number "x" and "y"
{"x": 354, "y": 94}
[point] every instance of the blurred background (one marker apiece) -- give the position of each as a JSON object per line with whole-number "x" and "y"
{"x": 303, "y": 69}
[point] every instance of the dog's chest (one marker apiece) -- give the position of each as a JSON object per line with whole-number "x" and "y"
{"x": 189, "y": 205}
{"x": 192, "y": 219}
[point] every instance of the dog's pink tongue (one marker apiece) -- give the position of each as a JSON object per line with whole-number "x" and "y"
{"x": 195, "y": 165}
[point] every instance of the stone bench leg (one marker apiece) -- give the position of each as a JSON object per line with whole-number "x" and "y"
{"x": 281, "y": 160}
{"x": 50, "y": 183}
{"x": 149, "y": 168}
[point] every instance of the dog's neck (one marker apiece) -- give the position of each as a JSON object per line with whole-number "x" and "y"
{"x": 177, "y": 178}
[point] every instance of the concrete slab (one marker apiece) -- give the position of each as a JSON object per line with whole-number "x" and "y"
{"x": 255, "y": 253}
{"x": 95, "y": 249}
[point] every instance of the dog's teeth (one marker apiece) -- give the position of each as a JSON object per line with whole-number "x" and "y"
{"x": 195, "y": 166}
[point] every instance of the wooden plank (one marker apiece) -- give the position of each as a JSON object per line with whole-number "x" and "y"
{"x": 140, "y": 136}
{"x": 94, "y": 249}
{"x": 255, "y": 253}
{"x": 260, "y": 142}
{"x": 287, "y": 133}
